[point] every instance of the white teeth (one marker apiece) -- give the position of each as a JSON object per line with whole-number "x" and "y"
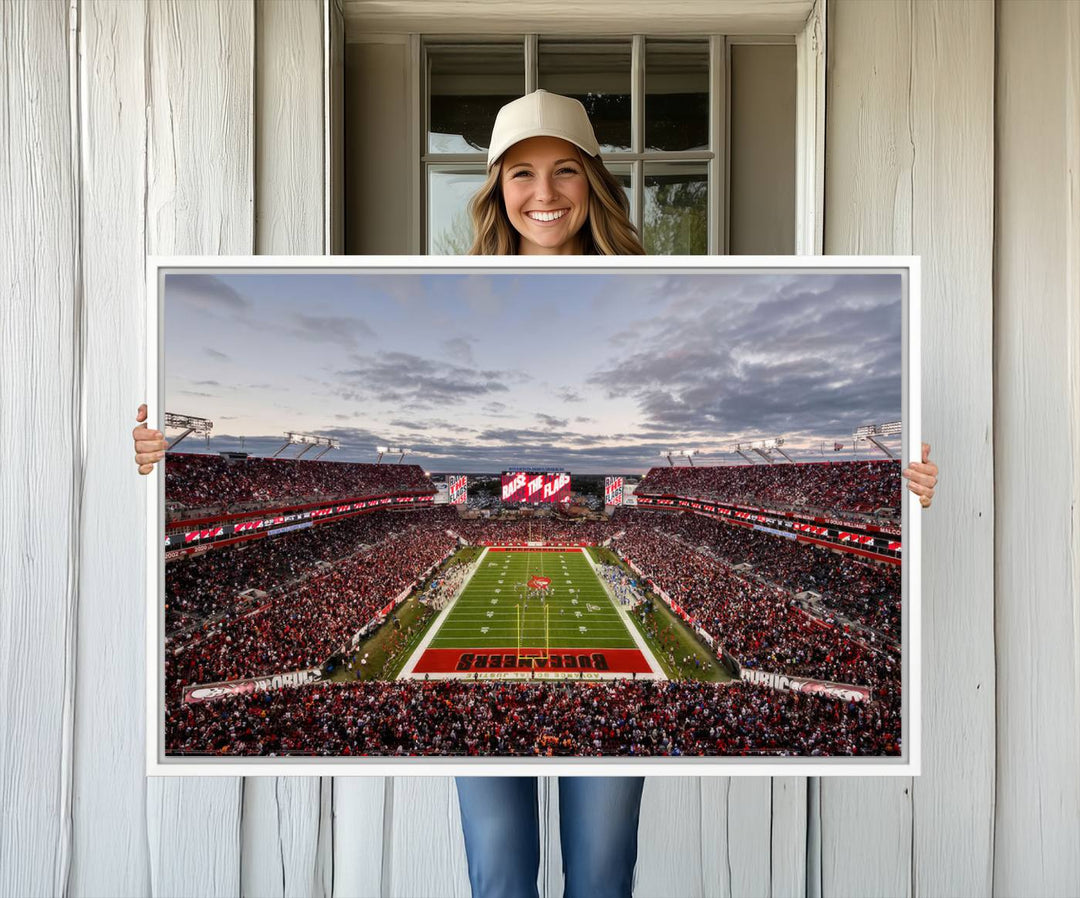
{"x": 546, "y": 216}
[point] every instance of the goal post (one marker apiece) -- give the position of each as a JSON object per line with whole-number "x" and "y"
{"x": 540, "y": 653}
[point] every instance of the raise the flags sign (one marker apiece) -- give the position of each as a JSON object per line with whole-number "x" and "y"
{"x": 613, "y": 491}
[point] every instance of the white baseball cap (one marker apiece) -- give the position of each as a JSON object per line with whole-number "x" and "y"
{"x": 541, "y": 114}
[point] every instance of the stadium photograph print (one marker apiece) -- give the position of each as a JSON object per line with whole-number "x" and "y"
{"x": 572, "y": 518}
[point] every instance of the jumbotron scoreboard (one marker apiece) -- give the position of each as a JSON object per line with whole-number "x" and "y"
{"x": 457, "y": 488}
{"x": 613, "y": 491}
{"x": 535, "y": 487}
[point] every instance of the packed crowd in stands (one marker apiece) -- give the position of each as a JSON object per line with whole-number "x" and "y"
{"x": 859, "y": 487}
{"x": 635, "y": 718}
{"x": 554, "y": 529}
{"x": 758, "y": 623}
{"x": 320, "y": 586}
{"x": 210, "y": 584}
{"x": 301, "y": 626}
{"x": 863, "y": 591}
{"x": 201, "y": 481}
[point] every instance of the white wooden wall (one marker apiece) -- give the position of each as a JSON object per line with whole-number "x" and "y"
{"x": 174, "y": 127}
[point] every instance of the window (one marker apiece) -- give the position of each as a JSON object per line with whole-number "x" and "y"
{"x": 661, "y": 109}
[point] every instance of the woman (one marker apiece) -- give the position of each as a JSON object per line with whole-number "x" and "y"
{"x": 548, "y": 193}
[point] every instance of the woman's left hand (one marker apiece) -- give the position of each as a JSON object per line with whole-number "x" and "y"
{"x": 922, "y": 477}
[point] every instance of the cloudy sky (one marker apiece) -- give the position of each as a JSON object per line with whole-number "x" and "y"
{"x": 593, "y": 372}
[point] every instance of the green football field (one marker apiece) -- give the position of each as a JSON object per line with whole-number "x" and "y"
{"x": 579, "y": 612}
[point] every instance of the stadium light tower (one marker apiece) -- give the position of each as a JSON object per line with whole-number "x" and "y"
{"x": 307, "y": 440}
{"x": 189, "y": 424}
{"x": 331, "y": 443}
{"x": 762, "y": 448}
{"x": 871, "y": 432}
{"x": 688, "y": 454}
{"x": 401, "y": 451}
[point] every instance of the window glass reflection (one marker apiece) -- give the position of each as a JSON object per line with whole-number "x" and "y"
{"x": 598, "y": 75}
{"x": 676, "y": 209}
{"x": 467, "y": 85}
{"x": 676, "y": 95}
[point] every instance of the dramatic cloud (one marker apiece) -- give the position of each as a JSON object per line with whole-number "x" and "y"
{"x": 431, "y": 426}
{"x": 625, "y": 366}
{"x": 400, "y": 377}
{"x": 820, "y": 355}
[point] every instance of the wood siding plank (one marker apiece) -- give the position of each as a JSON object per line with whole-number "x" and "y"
{"x": 360, "y": 819}
{"x": 289, "y": 128}
{"x": 788, "y": 846}
{"x": 910, "y": 171}
{"x": 199, "y": 200}
{"x": 425, "y": 849}
{"x": 952, "y": 125}
{"x": 40, "y": 446}
{"x": 868, "y": 196}
{"x": 111, "y": 855}
{"x": 670, "y": 838}
{"x": 282, "y": 815}
{"x": 1037, "y": 816}
{"x": 280, "y": 837}
{"x": 736, "y": 836}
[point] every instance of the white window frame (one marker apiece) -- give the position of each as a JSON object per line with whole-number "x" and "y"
{"x": 809, "y": 42}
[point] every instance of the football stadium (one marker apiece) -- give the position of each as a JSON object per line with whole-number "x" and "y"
{"x": 434, "y": 513}
{"x": 362, "y": 609}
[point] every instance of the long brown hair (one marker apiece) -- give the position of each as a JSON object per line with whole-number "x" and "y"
{"x": 608, "y": 230}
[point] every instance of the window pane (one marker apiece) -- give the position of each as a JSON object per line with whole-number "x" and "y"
{"x": 676, "y": 95}
{"x": 676, "y": 209}
{"x": 467, "y": 84}
{"x": 449, "y": 191}
{"x": 597, "y": 74}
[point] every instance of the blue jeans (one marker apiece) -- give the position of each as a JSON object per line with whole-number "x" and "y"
{"x": 598, "y": 822}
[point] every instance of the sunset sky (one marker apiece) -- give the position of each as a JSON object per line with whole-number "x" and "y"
{"x": 591, "y": 371}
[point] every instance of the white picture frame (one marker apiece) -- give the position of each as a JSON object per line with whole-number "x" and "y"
{"x": 907, "y": 764}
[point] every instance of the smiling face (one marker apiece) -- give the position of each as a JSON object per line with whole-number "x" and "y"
{"x": 546, "y": 195}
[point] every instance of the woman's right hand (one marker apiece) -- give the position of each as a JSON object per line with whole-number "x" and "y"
{"x": 149, "y": 444}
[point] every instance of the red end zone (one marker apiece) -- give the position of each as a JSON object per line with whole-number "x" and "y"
{"x": 510, "y": 547}
{"x": 572, "y": 661}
